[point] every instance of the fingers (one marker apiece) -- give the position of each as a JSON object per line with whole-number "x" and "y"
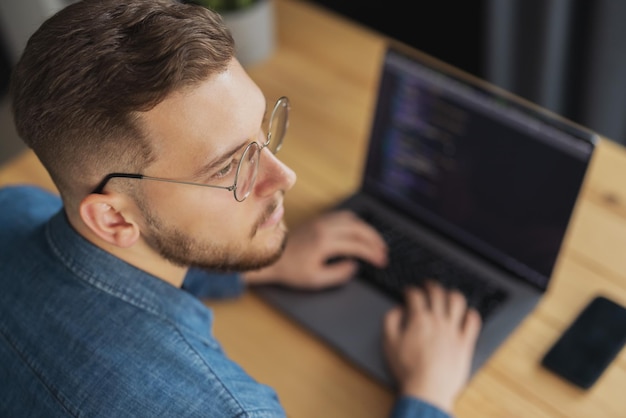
{"x": 340, "y": 236}
{"x": 353, "y": 237}
{"x": 435, "y": 299}
{"x": 393, "y": 327}
{"x": 471, "y": 326}
{"x": 334, "y": 274}
{"x": 451, "y": 305}
{"x": 468, "y": 318}
{"x": 416, "y": 302}
{"x": 457, "y": 304}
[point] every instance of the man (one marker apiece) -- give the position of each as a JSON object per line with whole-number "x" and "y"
{"x": 157, "y": 142}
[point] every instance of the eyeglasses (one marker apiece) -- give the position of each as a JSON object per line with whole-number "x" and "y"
{"x": 248, "y": 165}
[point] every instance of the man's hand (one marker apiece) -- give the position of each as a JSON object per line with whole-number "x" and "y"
{"x": 430, "y": 344}
{"x": 337, "y": 235}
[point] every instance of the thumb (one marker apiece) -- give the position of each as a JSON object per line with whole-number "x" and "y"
{"x": 339, "y": 271}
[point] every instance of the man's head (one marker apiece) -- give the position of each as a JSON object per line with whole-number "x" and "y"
{"x": 150, "y": 87}
{"x": 88, "y": 72}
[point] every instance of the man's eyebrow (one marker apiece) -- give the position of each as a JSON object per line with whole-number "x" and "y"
{"x": 213, "y": 165}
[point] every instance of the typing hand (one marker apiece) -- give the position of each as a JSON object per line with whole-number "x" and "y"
{"x": 340, "y": 236}
{"x": 430, "y": 344}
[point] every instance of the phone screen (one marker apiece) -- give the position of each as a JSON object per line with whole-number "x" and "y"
{"x": 589, "y": 344}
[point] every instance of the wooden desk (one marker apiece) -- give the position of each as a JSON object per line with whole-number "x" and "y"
{"x": 329, "y": 67}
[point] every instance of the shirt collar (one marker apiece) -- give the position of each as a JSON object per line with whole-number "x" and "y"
{"x": 116, "y": 277}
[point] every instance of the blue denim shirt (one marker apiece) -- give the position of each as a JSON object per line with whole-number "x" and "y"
{"x": 83, "y": 333}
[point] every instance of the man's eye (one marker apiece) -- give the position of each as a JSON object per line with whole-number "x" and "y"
{"x": 226, "y": 170}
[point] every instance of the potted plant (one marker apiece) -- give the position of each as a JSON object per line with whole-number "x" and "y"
{"x": 251, "y": 23}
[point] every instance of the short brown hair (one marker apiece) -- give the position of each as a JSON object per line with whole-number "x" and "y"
{"x": 88, "y": 70}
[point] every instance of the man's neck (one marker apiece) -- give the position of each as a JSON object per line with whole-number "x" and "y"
{"x": 140, "y": 255}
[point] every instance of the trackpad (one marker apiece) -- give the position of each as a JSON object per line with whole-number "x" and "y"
{"x": 349, "y": 318}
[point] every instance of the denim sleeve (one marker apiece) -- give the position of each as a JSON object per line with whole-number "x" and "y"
{"x": 410, "y": 407}
{"x": 204, "y": 284}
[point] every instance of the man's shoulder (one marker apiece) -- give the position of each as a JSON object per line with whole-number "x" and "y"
{"x": 133, "y": 360}
{"x": 27, "y": 192}
{"x": 25, "y": 206}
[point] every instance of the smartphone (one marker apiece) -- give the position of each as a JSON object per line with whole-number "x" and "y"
{"x": 589, "y": 344}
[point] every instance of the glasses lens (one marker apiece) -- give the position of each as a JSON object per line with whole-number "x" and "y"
{"x": 248, "y": 169}
{"x": 278, "y": 124}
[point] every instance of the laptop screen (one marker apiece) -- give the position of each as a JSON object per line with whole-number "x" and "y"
{"x": 495, "y": 176}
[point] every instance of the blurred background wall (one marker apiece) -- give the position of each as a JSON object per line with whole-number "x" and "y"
{"x": 566, "y": 55}
{"x": 18, "y": 20}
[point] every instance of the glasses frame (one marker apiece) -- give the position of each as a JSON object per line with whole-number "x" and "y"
{"x": 282, "y": 102}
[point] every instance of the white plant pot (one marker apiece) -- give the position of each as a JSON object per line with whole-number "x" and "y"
{"x": 254, "y": 31}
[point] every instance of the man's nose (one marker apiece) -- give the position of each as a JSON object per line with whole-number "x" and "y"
{"x": 273, "y": 175}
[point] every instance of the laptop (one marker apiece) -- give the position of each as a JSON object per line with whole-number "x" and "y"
{"x": 469, "y": 185}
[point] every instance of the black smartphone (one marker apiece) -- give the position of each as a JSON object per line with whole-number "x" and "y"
{"x": 589, "y": 344}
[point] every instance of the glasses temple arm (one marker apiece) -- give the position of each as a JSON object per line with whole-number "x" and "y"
{"x": 100, "y": 187}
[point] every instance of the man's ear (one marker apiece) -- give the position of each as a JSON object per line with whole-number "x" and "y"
{"x": 102, "y": 214}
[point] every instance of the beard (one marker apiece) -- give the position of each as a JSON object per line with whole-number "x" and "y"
{"x": 186, "y": 251}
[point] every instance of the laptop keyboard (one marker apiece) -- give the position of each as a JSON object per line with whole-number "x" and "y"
{"x": 413, "y": 264}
